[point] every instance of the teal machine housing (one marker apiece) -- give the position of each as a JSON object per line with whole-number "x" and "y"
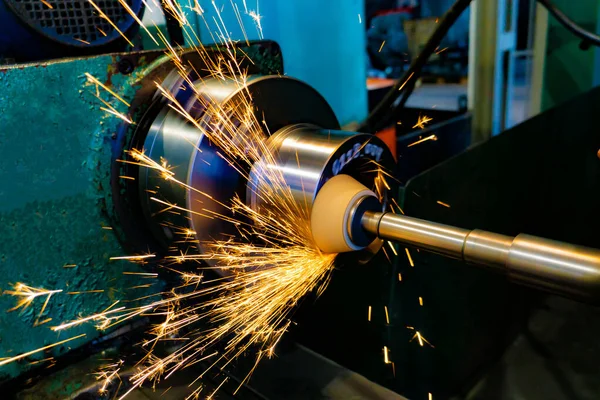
{"x": 59, "y": 175}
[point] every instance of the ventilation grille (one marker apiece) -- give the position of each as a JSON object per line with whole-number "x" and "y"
{"x": 76, "y": 22}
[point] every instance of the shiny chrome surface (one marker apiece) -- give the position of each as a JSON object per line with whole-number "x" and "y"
{"x": 486, "y": 248}
{"x": 561, "y": 268}
{"x": 307, "y": 156}
{"x": 558, "y": 267}
{"x": 196, "y": 162}
{"x": 438, "y": 238}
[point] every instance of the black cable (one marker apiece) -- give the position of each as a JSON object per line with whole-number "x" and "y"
{"x": 396, "y": 98}
{"x": 589, "y": 38}
{"x": 380, "y": 116}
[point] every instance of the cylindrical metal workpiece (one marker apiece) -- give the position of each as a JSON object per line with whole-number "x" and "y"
{"x": 561, "y": 268}
{"x": 556, "y": 267}
{"x": 437, "y": 238}
{"x": 486, "y": 248}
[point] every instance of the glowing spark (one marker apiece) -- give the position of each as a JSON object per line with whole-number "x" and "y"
{"x": 215, "y": 391}
{"x": 420, "y": 339}
{"x": 421, "y": 301}
{"x": 410, "y": 260}
{"x": 393, "y": 248}
{"x": 387, "y": 317}
{"x": 381, "y": 47}
{"x": 141, "y": 286}
{"x": 386, "y": 358}
{"x": 441, "y": 203}
{"x": 430, "y": 396}
{"x": 117, "y": 114}
{"x": 87, "y": 291}
{"x": 273, "y": 262}
{"x": 256, "y": 18}
{"x": 44, "y": 2}
{"x": 27, "y": 294}
{"x": 108, "y": 228}
{"x": 430, "y": 137}
{"x": 95, "y": 81}
{"x": 5, "y": 361}
{"x": 41, "y": 361}
{"x": 101, "y": 13}
{"x": 399, "y": 277}
{"x": 136, "y": 258}
{"x": 136, "y": 18}
{"x": 152, "y": 274}
{"x": 421, "y": 121}
{"x": 69, "y": 265}
{"x": 441, "y": 51}
{"x": 81, "y": 40}
{"x": 405, "y": 82}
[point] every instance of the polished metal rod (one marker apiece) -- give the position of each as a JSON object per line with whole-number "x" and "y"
{"x": 561, "y": 268}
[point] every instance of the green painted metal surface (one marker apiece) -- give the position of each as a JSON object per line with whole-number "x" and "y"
{"x": 59, "y": 225}
{"x": 54, "y": 189}
{"x": 569, "y": 70}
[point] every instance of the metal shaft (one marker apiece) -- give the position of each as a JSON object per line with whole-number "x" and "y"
{"x": 561, "y": 268}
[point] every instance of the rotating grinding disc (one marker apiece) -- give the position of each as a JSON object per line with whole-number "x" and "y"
{"x": 276, "y": 102}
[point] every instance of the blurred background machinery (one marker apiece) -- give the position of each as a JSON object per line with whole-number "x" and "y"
{"x": 512, "y": 101}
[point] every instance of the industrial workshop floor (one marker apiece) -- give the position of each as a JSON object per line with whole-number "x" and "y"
{"x": 298, "y": 375}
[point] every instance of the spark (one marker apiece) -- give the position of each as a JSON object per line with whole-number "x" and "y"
{"x": 150, "y": 274}
{"x": 266, "y": 276}
{"x": 421, "y": 121}
{"x": 87, "y": 291}
{"x": 41, "y": 361}
{"x": 422, "y": 341}
{"x": 256, "y": 18}
{"x": 218, "y": 387}
{"x": 387, "y": 316}
{"x": 81, "y": 40}
{"x": 399, "y": 277}
{"x": 441, "y": 203}
{"x": 410, "y": 260}
{"x": 27, "y": 295}
{"x": 141, "y": 286}
{"x": 44, "y": 2}
{"x": 136, "y": 18}
{"x": 381, "y": 47}
{"x": 393, "y": 248}
{"x": 116, "y": 28}
{"x": 420, "y": 301}
{"x": 430, "y": 396}
{"x": 8, "y": 360}
{"x": 69, "y": 265}
{"x": 92, "y": 79}
{"x": 108, "y": 228}
{"x": 430, "y": 137}
{"x": 441, "y": 51}
{"x": 134, "y": 258}
{"x": 386, "y": 357}
{"x": 405, "y": 82}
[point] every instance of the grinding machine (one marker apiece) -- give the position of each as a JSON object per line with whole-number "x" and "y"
{"x": 68, "y": 203}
